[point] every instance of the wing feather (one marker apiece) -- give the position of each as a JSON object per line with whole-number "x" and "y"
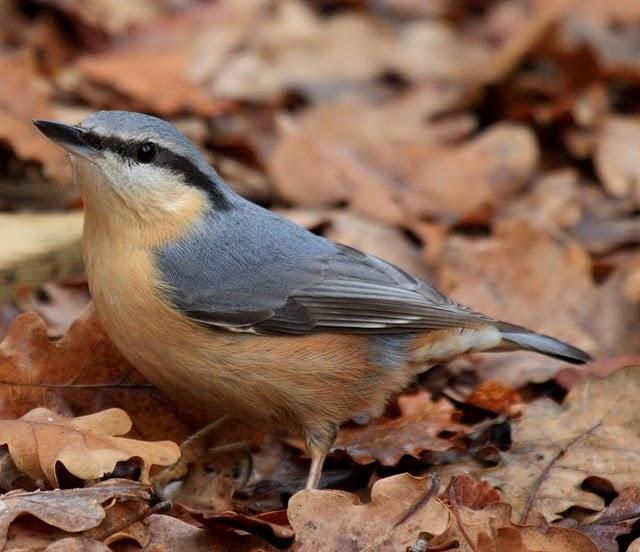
{"x": 355, "y": 293}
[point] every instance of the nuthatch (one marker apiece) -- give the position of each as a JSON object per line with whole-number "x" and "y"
{"x": 227, "y": 305}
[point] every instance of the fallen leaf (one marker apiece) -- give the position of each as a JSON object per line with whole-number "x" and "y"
{"x": 609, "y": 30}
{"x": 72, "y": 510}
{"x": 516, "y": 28}
{"x": 477, "y": 513}
{"x": 273, "y": 527}
{"x": 401, "y": 506}
{"x": 28, "y": 533}
{"x": 123, "y": 522}
{"x": 556, "y": 447}
{"x": 491, "y": 529}
{"x": 77, "y": 544}
{"x": 552, "y": 203}
{"x": 455, "y": 56}
{"x": 105, "y": 17}
{"x": 601, "y": 236}
{"x": 87, "y": 446}
{"x": 363, "y": 152}
{"x": 339, "y": 174}
{"x": 471, "y": 493}
{"x": 431, "y": 426}
{"x": 169, "y": 44}
{"x": 601, "y": 367}
{"x": 25, "y": 535}
{"x": 170, "y": 534}
{"x": 292, "y": 48}
{"x": 24, "y": 96}
{"x": 615, "y": 159}
{"x": 468, "y": 183}
{"x": 495, "y": 397}
{"x": 214, "y": 462}
{"x": 616, "y": 519}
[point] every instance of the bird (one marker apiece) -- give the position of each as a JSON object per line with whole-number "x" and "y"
{"x": 226, "y": 305}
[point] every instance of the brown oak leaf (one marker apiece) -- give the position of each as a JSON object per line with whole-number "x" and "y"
{"x": 601, "y": 367}
{"x": 495, "y": 397}
{"x": 176, "y": 39}
{"x": 491, "y": 530}
{"x": 481, "y": 523}
{"x": 400, "y": 508}
{"x": 23, "y": 96}
{"x": 363, "y": 152}
{"x": 425, "y": 425}
{"x": 616, "y": 157}
{"x": 270, "y": 526}
{"x": 594, "y": 432}
{"x": 87, "y": 446}
{"x": 471, "y": 493}
{"x": 77, "y": 544}
{"x": 469, "y": 182}
{"x": 123, "y": 522}
{"x": 72, "y": 510}
{"x": 616, "y": 519}
{"x": 169, "y": 534}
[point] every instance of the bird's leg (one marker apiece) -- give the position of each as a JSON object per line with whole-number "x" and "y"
{"x": 319, "y": 440}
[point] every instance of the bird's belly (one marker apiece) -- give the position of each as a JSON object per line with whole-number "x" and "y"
{"x": 286, "y": 382}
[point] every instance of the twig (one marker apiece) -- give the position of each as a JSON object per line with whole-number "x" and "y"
{"x": 435, "y": 486}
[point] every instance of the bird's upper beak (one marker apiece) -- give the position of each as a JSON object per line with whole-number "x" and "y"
{"x": 70, "y": 137}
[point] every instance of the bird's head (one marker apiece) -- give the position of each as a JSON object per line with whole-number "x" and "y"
{"x": 135, "y": 166}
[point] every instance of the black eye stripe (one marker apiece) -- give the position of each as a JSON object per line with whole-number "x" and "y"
{"x": 109, "y": 143}
{"x": 93, "y": 140}
{"x": 165, "y": 158}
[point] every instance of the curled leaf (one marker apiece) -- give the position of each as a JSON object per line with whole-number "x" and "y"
{"x": 87, "y": 446}
{"x": 71, "y": 510}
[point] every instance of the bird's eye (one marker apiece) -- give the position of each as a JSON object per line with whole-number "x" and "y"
{"x": 146, "y": 152}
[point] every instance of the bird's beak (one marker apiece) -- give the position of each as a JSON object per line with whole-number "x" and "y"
{"x": 70, "y": 137}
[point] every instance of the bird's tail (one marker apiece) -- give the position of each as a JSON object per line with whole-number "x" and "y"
{"x": 516, "y": 337}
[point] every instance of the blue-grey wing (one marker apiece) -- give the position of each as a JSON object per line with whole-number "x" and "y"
{"x": 262, "y": 273}
{"x": 359, "y": 293}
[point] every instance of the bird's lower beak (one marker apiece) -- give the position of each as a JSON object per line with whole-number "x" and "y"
{"x": 70, "y": 137}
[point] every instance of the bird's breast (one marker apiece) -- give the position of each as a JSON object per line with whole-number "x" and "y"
{"x": 129, "y": 303}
